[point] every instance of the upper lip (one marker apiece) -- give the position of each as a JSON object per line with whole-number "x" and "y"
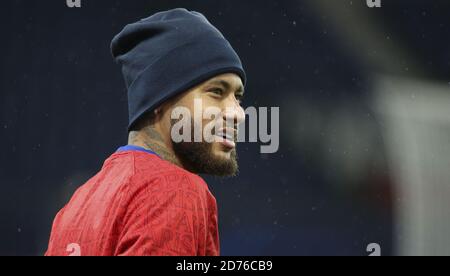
{"x": 228, "y": 133}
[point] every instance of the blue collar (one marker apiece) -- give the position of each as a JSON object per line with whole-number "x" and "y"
{"x": 135, "y": 148}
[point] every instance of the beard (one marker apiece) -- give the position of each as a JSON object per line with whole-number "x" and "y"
{"x": 199, "y": 157}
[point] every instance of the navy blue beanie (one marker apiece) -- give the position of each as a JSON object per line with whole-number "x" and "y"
{"x": 169, "y": 53}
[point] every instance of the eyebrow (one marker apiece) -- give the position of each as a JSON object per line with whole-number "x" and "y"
{"x": 227, "y": 86}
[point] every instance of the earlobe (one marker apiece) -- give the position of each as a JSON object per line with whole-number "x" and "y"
{"x": 158, "y": 112}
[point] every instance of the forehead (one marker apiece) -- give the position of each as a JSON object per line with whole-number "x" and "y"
{"x": 233, "y": 80}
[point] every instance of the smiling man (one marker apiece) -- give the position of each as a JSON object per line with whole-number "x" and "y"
{"x": 148, "y": 198}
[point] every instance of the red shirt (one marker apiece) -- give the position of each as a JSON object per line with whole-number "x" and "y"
{"x": 138, "y": 204}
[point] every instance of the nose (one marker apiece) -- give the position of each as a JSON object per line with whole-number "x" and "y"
{"x": 234, "y": 113}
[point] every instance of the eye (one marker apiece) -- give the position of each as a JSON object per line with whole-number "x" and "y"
{"x": 239, "y": 97}
{"x": 217, "y": 91}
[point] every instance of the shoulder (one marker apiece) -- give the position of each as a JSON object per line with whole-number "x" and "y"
{"x": 155, "y": 179}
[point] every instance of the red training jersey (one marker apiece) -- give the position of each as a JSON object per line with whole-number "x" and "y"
{"x": 138, "y": 204}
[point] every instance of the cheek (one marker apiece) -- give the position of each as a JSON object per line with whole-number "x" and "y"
{"x": 210, "y": 111}
{"x": 203, "y": 109}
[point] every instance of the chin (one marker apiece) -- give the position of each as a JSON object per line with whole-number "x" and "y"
{"x": 221, "y": 151}
{"x": 206, "y": 158}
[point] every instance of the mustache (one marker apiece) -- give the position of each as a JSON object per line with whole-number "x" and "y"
{"x": 221, "y": 129}
{"x": 226, "y": 134}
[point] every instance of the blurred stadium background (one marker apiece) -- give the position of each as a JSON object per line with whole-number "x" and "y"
{"x": 364, "y": 97}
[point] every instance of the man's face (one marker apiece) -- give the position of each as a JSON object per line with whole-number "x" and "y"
{"x": 215, "y": 153}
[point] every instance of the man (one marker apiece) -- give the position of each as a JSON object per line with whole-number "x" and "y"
{"x": 148, "y": 199}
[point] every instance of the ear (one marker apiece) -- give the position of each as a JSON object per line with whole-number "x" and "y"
{"x": 156, "y": 115}
{"x": 159, "y": 112}
{"x": 163, "y": 108}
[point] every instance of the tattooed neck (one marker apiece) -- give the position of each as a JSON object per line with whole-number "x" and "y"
{"x": 151, "y": 139}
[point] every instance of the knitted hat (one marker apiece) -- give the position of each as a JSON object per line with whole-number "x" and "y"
{"x": 169, "y": 53}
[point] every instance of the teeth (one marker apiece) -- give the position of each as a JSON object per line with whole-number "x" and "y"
{"x": 228, "y": 137}
{"x": 225, "y": 136}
